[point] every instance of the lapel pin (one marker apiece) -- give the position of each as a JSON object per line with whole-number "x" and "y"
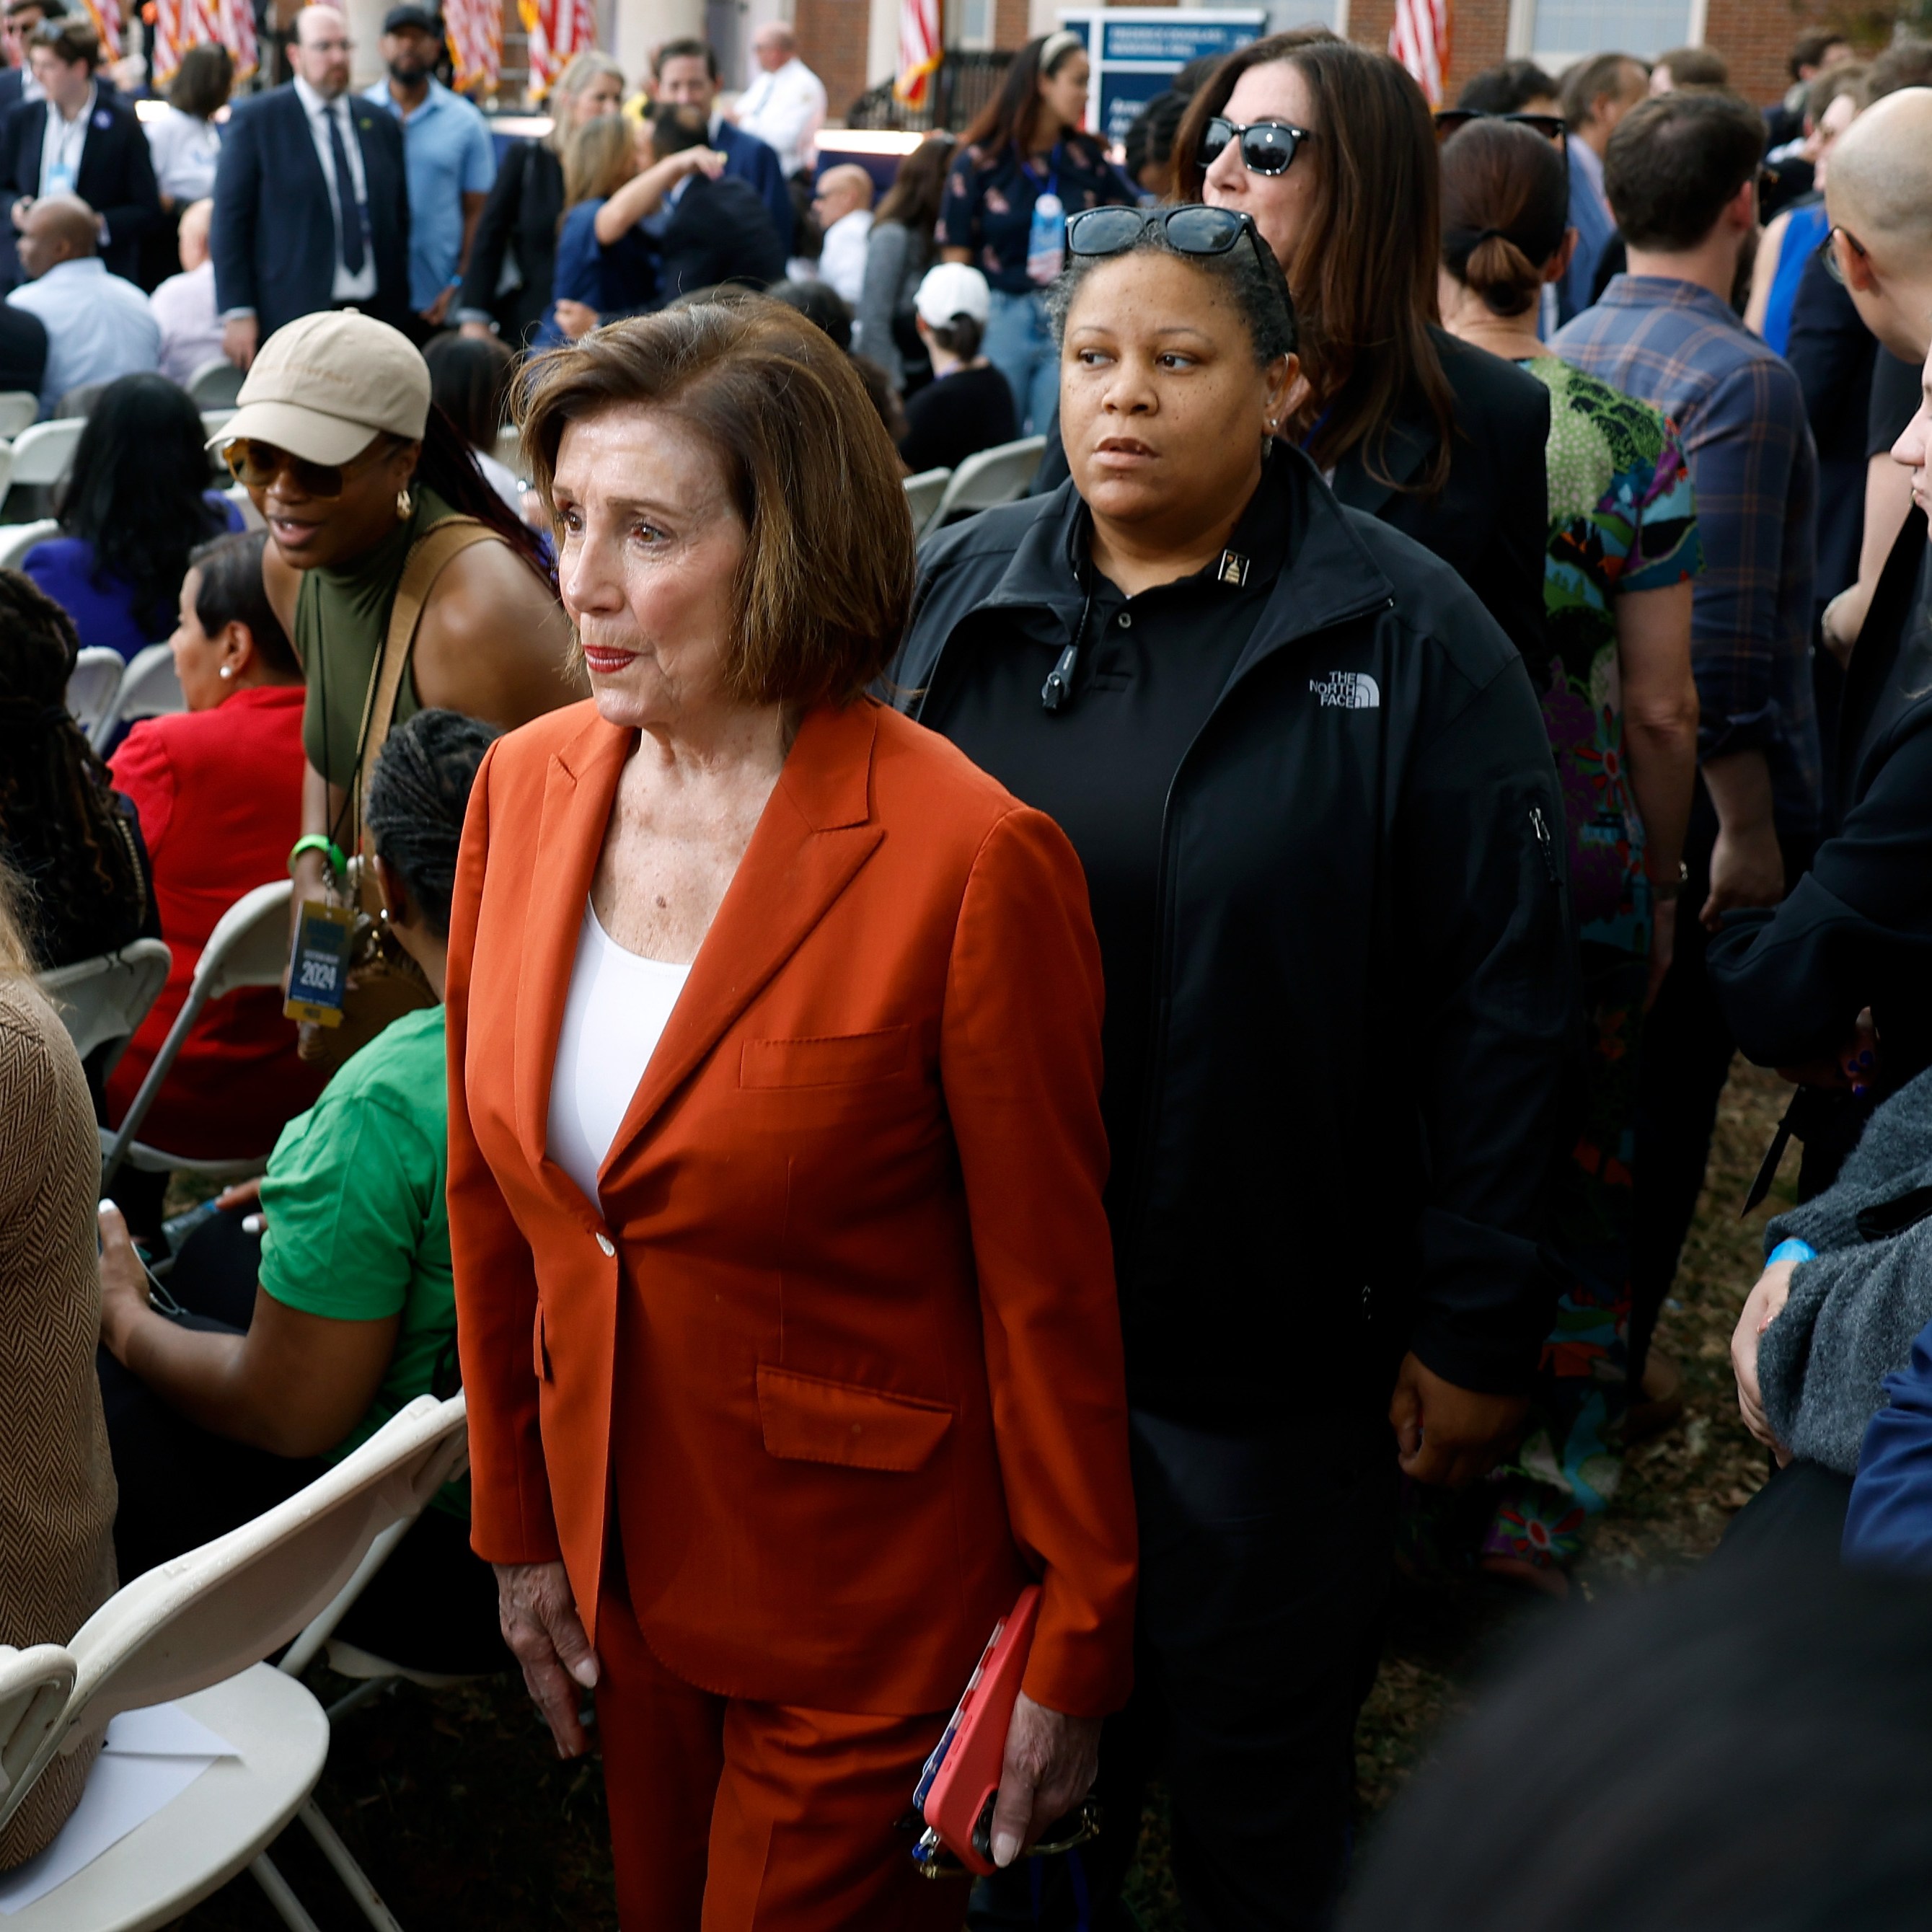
{"x": 1233, "y": 568}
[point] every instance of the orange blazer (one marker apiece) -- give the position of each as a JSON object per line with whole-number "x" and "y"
{"x": 839, "y": 1356}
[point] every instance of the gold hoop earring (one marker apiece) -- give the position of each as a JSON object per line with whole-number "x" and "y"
{"x": 405, "y": 505}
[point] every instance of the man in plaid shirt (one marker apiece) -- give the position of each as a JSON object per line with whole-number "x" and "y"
{"x": 1681, "y": 172}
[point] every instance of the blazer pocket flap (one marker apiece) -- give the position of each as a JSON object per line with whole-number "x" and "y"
{"x": 807, "y": 1419}
{"x": 833, "y": 1059}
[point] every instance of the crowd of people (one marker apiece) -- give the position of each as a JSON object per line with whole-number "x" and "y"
{"x": 1163, "y": 1043}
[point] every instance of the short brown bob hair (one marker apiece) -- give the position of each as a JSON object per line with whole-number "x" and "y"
{"x": 824, "y": 595}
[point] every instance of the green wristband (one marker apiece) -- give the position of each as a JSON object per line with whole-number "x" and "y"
{"x": 315, "y": 842}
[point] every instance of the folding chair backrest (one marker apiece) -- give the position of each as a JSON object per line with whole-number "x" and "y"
{"x": 509, "y": 448}
{"x": 249, "y": 944}
{"x": 215, "y": 384}
{"x": 150, "y": 689}
{"x": 214, "y": 421}
{"x": 35, "y": 1685}
{"x": 17, "y": 539}
{"x": 44, "y": 453}
{"x": 19, "y": 408}
{"x": 105, "y": 1000}
{"x": 923, "y": 493}
{"x": 995, "y": 476}
{"x": 216, "y": 1611}
{"x": 93, "y": 685}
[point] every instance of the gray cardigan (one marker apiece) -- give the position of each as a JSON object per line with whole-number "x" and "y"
{"x": 896, "y": 260}
{"x": 1855, "y": 1310}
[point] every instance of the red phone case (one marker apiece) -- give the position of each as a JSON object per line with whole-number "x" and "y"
{"x": 962, "y": 1790}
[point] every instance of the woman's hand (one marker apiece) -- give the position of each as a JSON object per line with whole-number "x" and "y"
{"x": 1050, "y": 1765}
{"x": 575, "y": 318}
{"x": 1763, "y": 1307}
{"x": 546, "y": 1636}
{"x": 124, "y": 1282}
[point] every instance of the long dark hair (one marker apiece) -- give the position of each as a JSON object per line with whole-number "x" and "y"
{"x": 58, "y": 823}
{"x": 1011, "y": 117}
{"x": 203, "y": 81}
{"x": 1505, "y": 206}
{"x": 447, "y": 465}
{"x": 913, "y": 200}
{"x": 137, "y": 495}
{"x": 469, "y": 380}
{"x": 1364, "y": 272}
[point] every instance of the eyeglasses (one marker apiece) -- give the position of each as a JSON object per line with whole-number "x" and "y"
{"x": 255, "y": 465}
{"x": 1267, "y": 147}
{"x": 1192, "y": 228}
{"x": 1452, "y": 120}
{"x": 1834, "y": 267}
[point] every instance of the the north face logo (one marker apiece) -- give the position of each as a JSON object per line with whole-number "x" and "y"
{"x": 1352, "y": 690}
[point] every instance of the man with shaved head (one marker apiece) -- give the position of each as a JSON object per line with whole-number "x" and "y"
{"x": 1878, "y": 196}
{"x": 844, "y": 206}
{"x": 784, "y": 106}
{"x": 311, "y": 202}
{"x": 98, "y": 326}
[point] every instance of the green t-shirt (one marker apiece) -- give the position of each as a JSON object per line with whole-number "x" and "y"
{"x": 358, "y": 1229}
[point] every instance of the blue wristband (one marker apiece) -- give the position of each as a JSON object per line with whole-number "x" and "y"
{"x": 1791, "y": 1250}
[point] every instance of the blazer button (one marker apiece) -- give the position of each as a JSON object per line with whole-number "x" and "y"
{"x": 604, "y": 1242}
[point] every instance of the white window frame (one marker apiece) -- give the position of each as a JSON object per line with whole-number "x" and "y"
{"x": 1522, "y": 34}
{"x": 974, "y": 44}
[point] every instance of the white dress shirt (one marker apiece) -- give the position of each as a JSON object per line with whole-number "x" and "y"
{"x": 786, "y": 110}
{"x": 842, "y": 262}
{"x": 183, "y": 307}
{"x": 347, "y": 288}
{"x": 98, "y": 327}
{"x": 62, "y": 142}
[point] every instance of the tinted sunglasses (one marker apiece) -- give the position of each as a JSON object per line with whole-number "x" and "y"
{"x": 1449, "y": 120}
{"x": 255, "y": 465}
{"x": 1192, "y": 228}
{"x": 1267, "y": 147}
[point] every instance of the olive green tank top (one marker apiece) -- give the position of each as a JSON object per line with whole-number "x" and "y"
{"x": 342, "y": 616}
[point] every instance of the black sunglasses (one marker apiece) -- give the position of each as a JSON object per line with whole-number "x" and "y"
{"x": 1191, "y": 228}
{"x": 1267, "y": 147}
{"x": 1452, "y": 120}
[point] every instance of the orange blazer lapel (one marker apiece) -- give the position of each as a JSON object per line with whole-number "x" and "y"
{"x": 579, "y": 789}
{"x": 815, "y": 832}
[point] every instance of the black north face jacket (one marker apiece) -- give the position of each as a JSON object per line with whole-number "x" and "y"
{"x": 1365, "y": 1012}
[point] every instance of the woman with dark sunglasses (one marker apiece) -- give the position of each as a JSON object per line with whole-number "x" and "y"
{"x": 353, "y": 469}
{"x": 1330, "y": 148}
{"x": 1306, "y": 779}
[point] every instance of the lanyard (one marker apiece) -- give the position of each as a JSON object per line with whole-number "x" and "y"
{"x": 1051, "y": 183}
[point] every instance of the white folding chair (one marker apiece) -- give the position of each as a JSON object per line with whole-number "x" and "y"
{"x": 215, "y": 384}
{"x": 194, "y": 1631}
{"x": 995, "y": 476}
{"x": 923, "y": 494}
{"x": 102, "y": 1001}
{"x": 18, "y": 408}
{"x": 248, "y": 947}
{"x": 148, "y": 689}
{"x": 214, "y": 421}
{"x": 35, "y": 1686}
{"x": 17, "y": 539}
{"x": 92, "y": 687}
{"x": 509, "y": 449}
{"x": 44, "y": 453}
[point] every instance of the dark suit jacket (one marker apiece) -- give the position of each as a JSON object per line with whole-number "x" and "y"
{"x": 116, "y": 177}
{"x": 719, "y": 232}
{"x": 1833, "y": 352}
{"x": 1490, "y": 521}
{"x": 23, "y": 350}
{"x": 273, "y": 237}
{"x": 519, "y": 221}
{"x": 749, "y": 159}
{"x": 12, "y": 80}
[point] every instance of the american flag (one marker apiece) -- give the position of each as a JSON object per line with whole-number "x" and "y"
{"x": 181, "y": 24}
{"x": 920, "y": 50}
{"x": 108, "y": 23}
{"x": 558, "y": 31}
{"x": 475, "y": 30}
{"x": 1420, "y": 40}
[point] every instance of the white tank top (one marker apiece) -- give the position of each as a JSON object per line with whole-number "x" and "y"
{"x": 618, "y": 1006}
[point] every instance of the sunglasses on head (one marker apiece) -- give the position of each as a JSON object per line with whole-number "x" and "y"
{"x": 1267, "y": 147}
{"x": 1192, "y": 228}
{"x": 255, "y": 465}
{"x": 1451, "y": 120}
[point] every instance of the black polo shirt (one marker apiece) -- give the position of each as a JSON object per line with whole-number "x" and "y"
{"x": 1150, "y": 671}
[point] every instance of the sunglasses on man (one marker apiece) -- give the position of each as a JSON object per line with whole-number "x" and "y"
{"x": 1452, "y": 120}
{"x": 1266, "y": 147}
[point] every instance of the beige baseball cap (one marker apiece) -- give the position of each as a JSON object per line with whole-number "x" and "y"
{"x": 325, "y": 387}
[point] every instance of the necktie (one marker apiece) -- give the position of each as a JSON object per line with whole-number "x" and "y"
{"x": 345, "y": 207}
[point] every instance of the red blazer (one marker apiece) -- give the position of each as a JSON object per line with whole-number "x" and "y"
{"x": 841, "y": 1356}
{"x": 219, "y": 794}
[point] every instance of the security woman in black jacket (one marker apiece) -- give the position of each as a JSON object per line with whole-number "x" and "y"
{"x": 1307, "y": 779}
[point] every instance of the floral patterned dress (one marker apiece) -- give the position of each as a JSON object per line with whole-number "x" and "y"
{"x": 1621, "y": 519}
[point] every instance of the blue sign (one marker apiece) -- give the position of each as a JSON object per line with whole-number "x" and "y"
{"x": 1136, "y": 52}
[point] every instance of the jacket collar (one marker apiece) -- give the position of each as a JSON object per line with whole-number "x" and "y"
{"x": 816, "y": 831}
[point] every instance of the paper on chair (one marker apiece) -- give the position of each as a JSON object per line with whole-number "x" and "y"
{"x": 150, "y": 1758}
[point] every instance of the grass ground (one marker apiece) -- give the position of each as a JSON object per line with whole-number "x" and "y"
{"x": 460, "y": 1812}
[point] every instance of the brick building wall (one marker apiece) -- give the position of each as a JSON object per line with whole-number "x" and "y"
{"x": 832, "y": 35}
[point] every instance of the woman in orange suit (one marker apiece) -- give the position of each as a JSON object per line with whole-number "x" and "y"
{"x": 784, "y": 1286}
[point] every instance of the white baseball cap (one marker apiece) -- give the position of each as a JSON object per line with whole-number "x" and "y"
{"x": 949, "y": 290}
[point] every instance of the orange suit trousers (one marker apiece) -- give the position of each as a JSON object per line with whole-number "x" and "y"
{"x": 727, "y": 1815}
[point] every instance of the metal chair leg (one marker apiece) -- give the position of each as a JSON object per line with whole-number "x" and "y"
{"x": 354, "y": 1880}
{"x": 280, "y": 1896}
